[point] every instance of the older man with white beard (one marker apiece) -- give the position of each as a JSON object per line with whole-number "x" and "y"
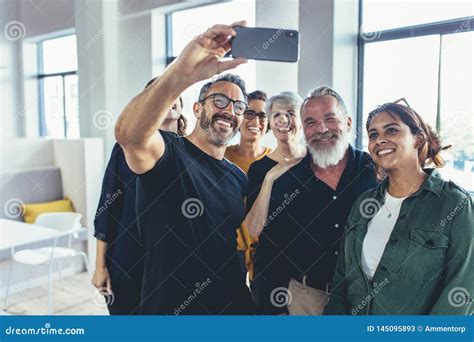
{"x": 308, "y": 207}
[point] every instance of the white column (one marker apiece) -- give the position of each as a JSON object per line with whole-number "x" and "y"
{"x": 345, "y": 60}
{"x": 134, "y": 55}
{"x": 98, "y": 68}
{"x": 329, "y": 31}
{"x": 275, "y": 77}
{"x": 316, "y": 27}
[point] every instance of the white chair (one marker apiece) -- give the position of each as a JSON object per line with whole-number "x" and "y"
{"x": 67, "y": 224}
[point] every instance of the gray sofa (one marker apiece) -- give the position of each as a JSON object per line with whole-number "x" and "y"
{"x": 36, "y": 185}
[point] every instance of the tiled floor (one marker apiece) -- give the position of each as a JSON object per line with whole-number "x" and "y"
{"x": 77, "y": 298}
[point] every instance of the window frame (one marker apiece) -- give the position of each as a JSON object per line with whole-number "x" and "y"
{"x": 169, "y": 38}
{"x": 170, "y": 57}
{"x": 439, "y": 28}
{"x": 41, "y": 77}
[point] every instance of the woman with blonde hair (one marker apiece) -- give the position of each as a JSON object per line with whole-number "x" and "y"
{"x": 285, "y": 123}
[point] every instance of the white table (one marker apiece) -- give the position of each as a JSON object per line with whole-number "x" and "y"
{"x": 14, "y": 234}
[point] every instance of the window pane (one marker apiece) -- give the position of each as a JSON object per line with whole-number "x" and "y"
{"x": 189, "y": 23}
{"x": 59, "y": 54}
{"x": 392, "y": 71}
{"x": 53, "y": 107}
{"x": 72, "y": 106}
{"x": 457, "y": 108}
{"x": 386, "y": 14}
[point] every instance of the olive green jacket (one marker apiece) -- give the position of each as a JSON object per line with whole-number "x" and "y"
{"x": 427, "y": 264}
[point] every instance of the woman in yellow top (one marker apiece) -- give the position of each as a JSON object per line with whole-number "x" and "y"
{"x": 253, "y": 128}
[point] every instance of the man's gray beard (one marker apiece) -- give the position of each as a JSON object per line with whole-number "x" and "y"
{"x": 325, "y": 157}
{"x": 214, "y": 136}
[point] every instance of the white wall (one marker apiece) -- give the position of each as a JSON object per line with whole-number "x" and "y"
{"x": 135, "y": 55}
{"x": 316, "y": 26}
{"x": 127, "y": 7}
{"x": 43, "y": 17}
{"x": 11, "y": 114}
{"x": 158, "y": 43}
{"x": 81, "y": 162}
{"x": 22, "y": 153}
{"x": 344, "y": 47}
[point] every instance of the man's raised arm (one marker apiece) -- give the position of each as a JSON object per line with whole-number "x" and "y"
{"x": 137, "y": 125}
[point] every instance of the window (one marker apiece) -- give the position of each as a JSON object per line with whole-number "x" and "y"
{"x": 430, "y": 64}
{"x": 389, "y": 14}
{"x": 401, "y": 73}
{"x": 184, "y": 25}
{"x": 59, "y": 109}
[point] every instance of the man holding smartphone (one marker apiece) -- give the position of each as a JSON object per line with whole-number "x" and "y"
{"x": 189, "y": 198}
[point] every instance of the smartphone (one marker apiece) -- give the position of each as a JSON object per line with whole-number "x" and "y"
{"x": 266, "y": 44}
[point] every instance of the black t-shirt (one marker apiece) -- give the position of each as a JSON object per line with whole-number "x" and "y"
{"x": 305, "y": 225}
{"x": 115, "y": 222}
{"x": 257, "y": 172}
{"x": 189, "y": 207}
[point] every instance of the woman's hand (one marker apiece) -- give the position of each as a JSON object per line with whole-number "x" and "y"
{"x": 256, "y": 219}
{"x": 101, "y": 280}
{"x": 200, "y": 59}
{"x": 279, "y": 169}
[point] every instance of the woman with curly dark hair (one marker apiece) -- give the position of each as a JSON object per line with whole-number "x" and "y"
{"x": 119, "y": 261}
{"x": 408, "y": 245}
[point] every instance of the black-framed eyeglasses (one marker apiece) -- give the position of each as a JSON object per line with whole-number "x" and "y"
{"x": 221, "y": 101}
{"x": 251, "y": 114}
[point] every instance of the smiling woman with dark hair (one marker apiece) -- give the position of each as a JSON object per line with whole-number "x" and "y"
{"x": 408, "y": 246}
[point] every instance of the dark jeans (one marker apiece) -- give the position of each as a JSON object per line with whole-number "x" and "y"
{"x": 125, "y": 299}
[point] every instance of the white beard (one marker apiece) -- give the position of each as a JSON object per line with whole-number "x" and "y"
{"x": 330, "y": 156}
